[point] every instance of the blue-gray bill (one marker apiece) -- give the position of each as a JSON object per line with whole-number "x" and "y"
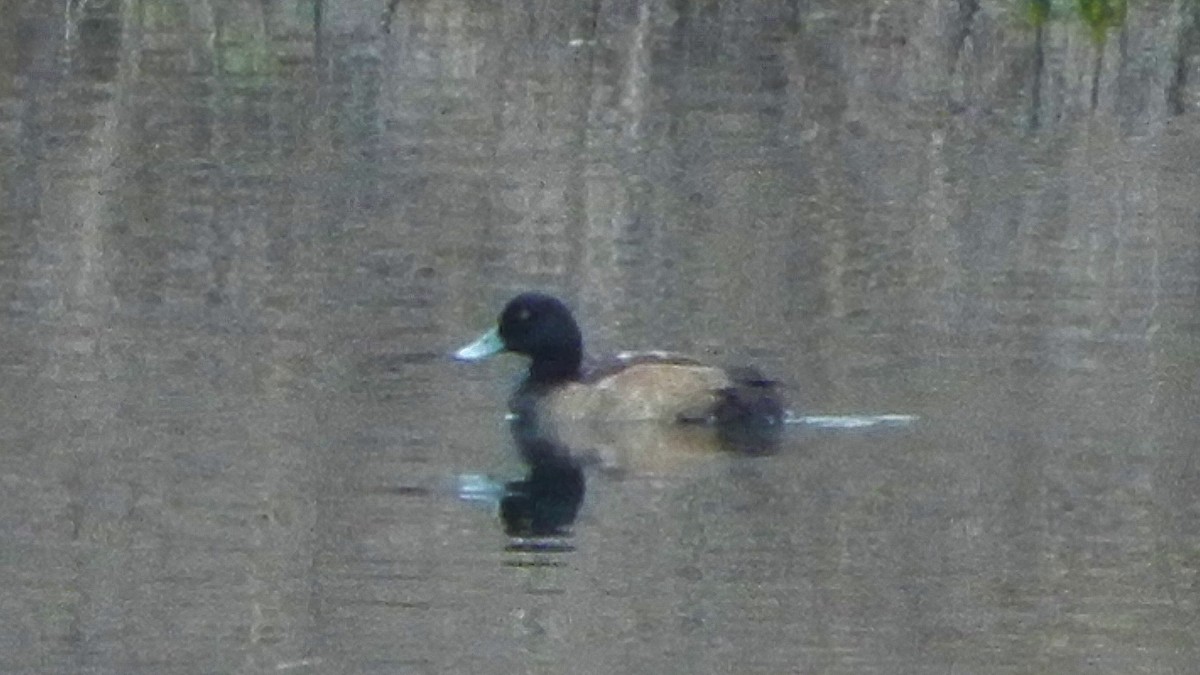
{"x": 487, "y": 345}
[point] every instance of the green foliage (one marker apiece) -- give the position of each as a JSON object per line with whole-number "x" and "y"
{"x": 1098, "y": 15}
{"x": 1101, "y": 15}
{"x": 1037, "y": 12}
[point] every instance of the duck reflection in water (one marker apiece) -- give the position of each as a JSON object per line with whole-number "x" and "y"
{"x": 542, "y": 504}
{"x": 546, "y": 502}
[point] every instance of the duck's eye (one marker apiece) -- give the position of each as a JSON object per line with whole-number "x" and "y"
{"x": 523, "y": 315}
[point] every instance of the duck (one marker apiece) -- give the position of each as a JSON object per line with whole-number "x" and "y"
{"x": 562, "y": 388}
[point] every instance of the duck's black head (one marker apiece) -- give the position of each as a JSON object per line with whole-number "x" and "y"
{"x": 538, "y": 326}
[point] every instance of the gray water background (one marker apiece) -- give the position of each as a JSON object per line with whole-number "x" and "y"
{"x": 238, "y": 238}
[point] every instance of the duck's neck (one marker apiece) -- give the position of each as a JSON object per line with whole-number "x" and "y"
{"x": 548, "y": 371}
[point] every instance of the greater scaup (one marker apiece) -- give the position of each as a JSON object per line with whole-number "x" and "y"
{"x": 660, "y": 386}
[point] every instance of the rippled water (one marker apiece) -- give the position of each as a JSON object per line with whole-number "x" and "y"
{"x": 237, "y": 241}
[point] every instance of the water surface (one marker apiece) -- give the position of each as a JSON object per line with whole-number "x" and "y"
{"x": 238, "y": 239}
